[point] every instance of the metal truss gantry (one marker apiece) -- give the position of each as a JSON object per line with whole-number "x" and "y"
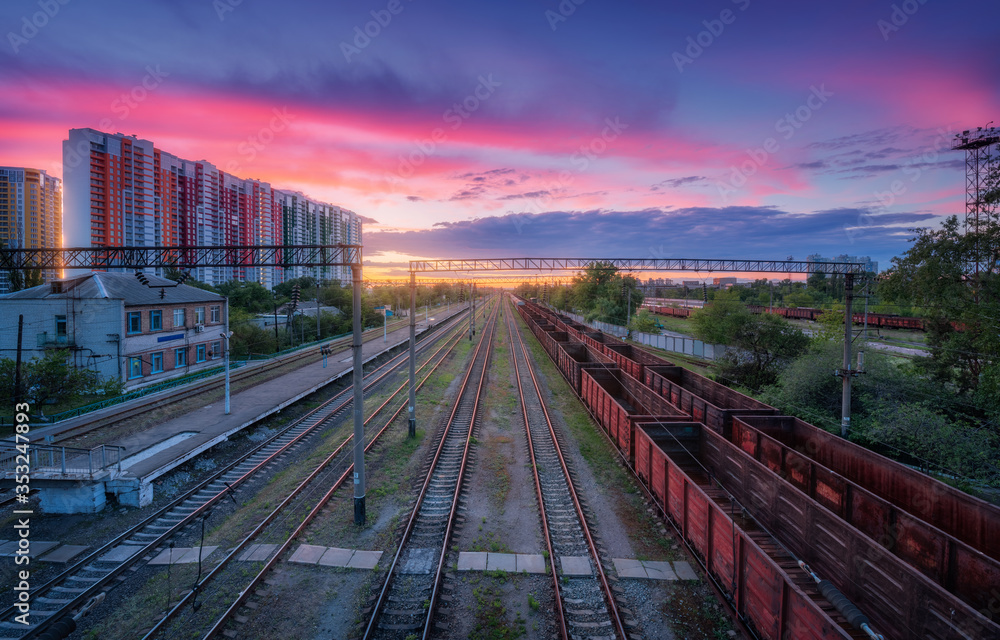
{"x": 336, "y": 255}
{"x": 636, "y": 264}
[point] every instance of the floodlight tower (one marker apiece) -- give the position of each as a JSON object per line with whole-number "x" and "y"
{"x": 980, "y": 161}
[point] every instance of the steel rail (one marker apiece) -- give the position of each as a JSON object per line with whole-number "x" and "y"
{"x": 191, "y": 595}
{"x": 184, "y": 392}
{"x": 257, "y": 579}
{"x": 411, "y": 521}
{"x": 718, "y": 588}
{"x": 560, "y": 613}
{"x": 461, "y": 472}
{"x": 80, "y": 565}
{"x": 602, "y": 578}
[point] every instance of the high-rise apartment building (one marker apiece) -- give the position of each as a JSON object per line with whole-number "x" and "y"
{"x": 124, "y": 191}
{"x": 30, "y": 213}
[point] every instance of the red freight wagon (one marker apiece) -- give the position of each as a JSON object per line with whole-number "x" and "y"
{"x": 969, "y": 519}
{"x": 551, "y": 341}
{"x": 632, "y": 359}
{"x": 574, "y": 357}
{"x": 901, "y": 602}
{"x": 620, "y": 402}
{"x": 703, "y": 399}
{"x": 764, "y": 593}
{"x": 941, "y": 557}
{"x": 598, "y": 340}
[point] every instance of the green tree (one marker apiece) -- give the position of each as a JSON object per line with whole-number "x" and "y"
{"x": 48, "y": 378}
{"x": 762, "y": 343}
{"x": 962, "y": 304}
{"x": 831, "y": 325}
{"x": 643, "y": 322}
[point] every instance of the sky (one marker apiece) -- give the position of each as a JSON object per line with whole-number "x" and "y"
{"x": 572, "y": 128}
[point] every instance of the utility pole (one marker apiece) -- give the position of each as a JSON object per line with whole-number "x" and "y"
{"x": 277, "y": 341}
{"x": 846, "y": 373}
{"x": 412, "y": 409}
{"x": 17, "y": 364}
{"x": 359, "y": 403}
{"x": 317, "y": 314}
{"x": 227, "y": 334}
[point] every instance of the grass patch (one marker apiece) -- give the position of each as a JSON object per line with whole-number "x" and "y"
{"x": 489, "y": 542}
{"x": 492, "y": 619}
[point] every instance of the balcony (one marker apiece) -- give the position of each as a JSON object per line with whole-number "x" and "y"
{"x": 45, "y": 340}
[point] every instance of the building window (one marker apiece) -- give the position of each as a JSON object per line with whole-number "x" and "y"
{"x": 178, "y": 318}
{"x": 134, "y": 322}
{"x": 156, "y": 360}
{"x": 199, "y": 353}
{"x": 216, "y": 314}
{"x": 155, "y": 320}
{"x": 216, "y": 349}
{"x": 134, "y": 368}
{"x": 199, "y": 315}
{"x": 180, "y": 357}
{"x": 61, "y": 328}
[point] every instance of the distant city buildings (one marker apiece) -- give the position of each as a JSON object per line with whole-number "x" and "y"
{"x": 124, "y": 191}
{"x": 30, "y": 213}
{"x": 870, "y": 265}
{"x": 724, "y": 282}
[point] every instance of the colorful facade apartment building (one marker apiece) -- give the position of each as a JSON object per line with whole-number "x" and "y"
{"x": 30, "y": 214}
{"x": 124, "y": 191}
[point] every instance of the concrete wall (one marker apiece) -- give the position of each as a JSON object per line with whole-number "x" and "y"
{"x": 90, "y": 325}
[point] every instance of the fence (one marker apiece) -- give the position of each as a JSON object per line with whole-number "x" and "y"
{"x": 686, "y": 346}
{"x": 50, "y": 459}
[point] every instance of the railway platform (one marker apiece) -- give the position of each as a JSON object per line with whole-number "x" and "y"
{"x": 149, "y": 454}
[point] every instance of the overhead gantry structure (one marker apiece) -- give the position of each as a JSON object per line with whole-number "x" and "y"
{"x": 463, "y": 267}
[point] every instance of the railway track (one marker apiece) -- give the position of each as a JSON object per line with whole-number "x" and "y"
{"x": 212, "y": 384}
{"x": 405, "y": 604}
{"x": 300, "y": 506}
{"x": 585, "y": 605}
{"x": 80, "y": 583}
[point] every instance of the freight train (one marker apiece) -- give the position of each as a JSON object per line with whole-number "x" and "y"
{"x": 875, "y": 320}
{"x": 804, "y": 534}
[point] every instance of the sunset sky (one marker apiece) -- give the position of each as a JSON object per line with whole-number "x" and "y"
{"x": 731, "y": 128}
